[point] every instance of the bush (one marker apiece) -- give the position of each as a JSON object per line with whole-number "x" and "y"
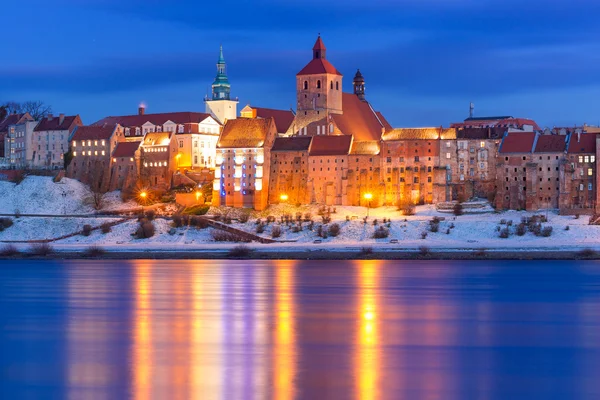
{"x": 509, "y": 222}
{"x": 105, "y": 228}
{"x": 452, "y": 225}
{"x": 567, "y": 228}
{"x": 347, "y": 218}
{"x": 365, "y": 251}
{"x": 87, "y": 230}
{"x": 9, "y": 251}
{"x": 423, "y": 235}
{"x": 224, "y": 236}
{"x": 240, "y": 251}
{"x": 547, "y": 231}
{"x": 41, "y": 249}
{"x": 587, "y": 253}
{"x": 334, "y": 230}
{"x": 576, "y": 216}
{"x": 406, "y": 208}
{"x": 94, "y": 251}
{"x": 458, "y": 209}
{"x": 307, "y": 217}
{"x": 521, "y": 229}
{"x": 434, "y": 226}
{"x": 502, "y": 222}
{"x": 197, "y": 210}
{"x": 535, "y": 228}
{"x": 297, "y": 228}
{"x": 260, "y": 228}
{"x": 244, "y": 218}
{"x": 177, "y": 221}
{"x": 145, "y": 230}
{"x": 381, "y": 233}
{"x": 448, "y": 231}
{"x": 6, "y": 223}
{"x": 326, "y": 218}
{"x": 276, "y": 231}
{"x": 375, "y": 222}
{"x": 424, "y": 250}
{"x": 150, "y": 214}
{"x": 504, "y": 233}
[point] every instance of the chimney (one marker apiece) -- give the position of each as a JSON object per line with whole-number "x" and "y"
{"x": 61, "y": 118}
{"x": 50, "y": 116}
{"x": 141, "y": 109}
{"x": 578, "y": 136}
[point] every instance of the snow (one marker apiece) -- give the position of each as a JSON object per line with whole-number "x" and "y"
{"x": 42, "y": 228}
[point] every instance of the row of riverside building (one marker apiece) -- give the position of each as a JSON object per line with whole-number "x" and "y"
{"x": 332, "y": 150}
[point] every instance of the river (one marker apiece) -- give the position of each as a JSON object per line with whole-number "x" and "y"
{"x": 299, "y": 330}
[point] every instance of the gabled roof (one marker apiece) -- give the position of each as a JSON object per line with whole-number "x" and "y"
{"x": 126, "y": 149}
{"x": 53, "y": 123}
{"x": 319, "y": 66}
{"x": 420, "y": 134}
{"x": 138, "y": 120}
{"x": 388, "y": 127}
{"x": 550, "y": 144}
{"x": 93, "y": 132}
{"x": 245, "y": 132}
{"x": 518, "y": 142}
{"x": 14, "y": 119}
{"x": 157, "y": 139}
{"x": 334, "y": 145}
{"x": 319, "y": 45}
{"x": 292, "y": 144}
{"x": 370, "y": 147}
{"x": 582, "y": 143}
{"x": 358, "y": 119}
{"x": 283, "y": 118}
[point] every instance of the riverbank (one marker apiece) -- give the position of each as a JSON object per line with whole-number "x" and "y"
{"x": 269, "y": 252}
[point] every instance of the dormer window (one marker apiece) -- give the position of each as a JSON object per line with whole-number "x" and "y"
{"x": 137, "y": 131}
{"x": 180, "y": 129}
{"x": 127, "y": 131}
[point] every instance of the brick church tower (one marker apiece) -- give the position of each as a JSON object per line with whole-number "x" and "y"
{"x": 319, "y": 86}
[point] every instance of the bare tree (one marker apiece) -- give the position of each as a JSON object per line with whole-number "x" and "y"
{"x": 12, "y": 107}
{"x": 37, "y": 109}
{"x": 3, "y": 112}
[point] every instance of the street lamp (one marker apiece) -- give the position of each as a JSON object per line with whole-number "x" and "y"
{"x": 283, "y": 197}
{"x": 197, "y": 196}
{"x": 143, "y": 196}
{"x": 368, "y": 197}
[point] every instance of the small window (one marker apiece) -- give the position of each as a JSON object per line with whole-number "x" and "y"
{"x": 590, "y": 172}
{"x": 319, "y": 84}
{"x": 337, "y": 86}
{"x": 305, "y": 86}
{"x": 589, "y": 186}
{"x": 331, "y": 85}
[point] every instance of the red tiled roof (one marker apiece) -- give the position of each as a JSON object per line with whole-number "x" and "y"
{"x": 155, "y": 119}
{"x": 292, "y": 144}
{"x": 365, "y": 148}
{"x": 54, "y": 124}
{"x": 245, "y": 132}
{"x": 358, "y": 119}
{"x": 319, "y": 45}
{"x": 13, "y": 119}
{"x": 420, "y": 134}
{"x": 518, "y": 142}
{"x": 126, "y": 149}
{"x": 318, "y": 66}
{"x": 500, "y": 122}
{"x": 388, "y": 127}
{"x": 330, "y": 145}
{"x": 283, "y": 118}
{"x": 550, "y": 144}
{"x": 583, "y": 143}
{"x": 157, "y": 138}
{"x": 93, "y": 132}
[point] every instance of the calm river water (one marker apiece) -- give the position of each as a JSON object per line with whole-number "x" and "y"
{"x": 294, "y": 329}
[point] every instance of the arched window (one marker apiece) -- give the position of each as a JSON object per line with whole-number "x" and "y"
{"x": 305, "y": 85}
{"x": 337, "y": 86}
{"x": 331, "y": 86}
{"x": 319, "y": 84}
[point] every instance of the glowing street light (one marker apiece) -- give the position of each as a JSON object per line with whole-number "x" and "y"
{"x": 284, "y": 197}
{"x": 143, "y": 195}
{"x": 368, "y": 197}
{"x": 198, "y": 193}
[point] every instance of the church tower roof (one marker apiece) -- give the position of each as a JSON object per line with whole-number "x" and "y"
{"x": 319, "y": 64}
{"x": 221, "y": 88}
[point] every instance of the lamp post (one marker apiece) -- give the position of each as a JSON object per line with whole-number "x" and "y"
{"x": 283, "y": 198}
{"x": 143, "y": 196}
{"x": 368, "y": 197}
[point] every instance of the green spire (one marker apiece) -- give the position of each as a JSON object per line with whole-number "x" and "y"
{"x": 221, "y": 87}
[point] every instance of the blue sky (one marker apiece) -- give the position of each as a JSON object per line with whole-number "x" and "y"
{"x": 423, "y": 60}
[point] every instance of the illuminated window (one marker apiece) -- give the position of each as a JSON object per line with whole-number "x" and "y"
{"x": 580, "y": 159}
{"x": 103, "y": 143}
{"x": 590, "y": 172}
{"x": 74, "y": 153}
{"x": 593, "y": 158}
{"x": 482, "y": 144}
{"x": 587, "y": 159}
{"x": 74, "y": 143}
{"x": 103, "y": 153}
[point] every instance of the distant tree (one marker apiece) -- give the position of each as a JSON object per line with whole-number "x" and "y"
{"x": 37, "y": 109}
{"x": 3, "y": 112}
{"x": 12, "y": 107}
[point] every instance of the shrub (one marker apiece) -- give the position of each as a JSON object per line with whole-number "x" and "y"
{"x": 270, "y": 219}
{"x": 9, "y": 251}
{"x": 347, "y": 218}
{"x": 434, "y": 226}
{"x": 406, "y": 207}
{"x": 177, "y": 221}
{"x": 6, "y": 223}
{"x": 502, "y": 222}
{"x": 424, "y": 250}
{"x": 320, "y": 231}
{"x": 521, "y": 229}
{"x": 381, "y": 233}
{"x": 17, "y": 213}
{"x": 458, "y": 209}
{"x": 535, "y": 228}
{"x": 576, "y": 216}
{"x": 311, "y": 225}
{"x": 326, "y": 218}
{"x": 504, "y": 233}
{"x": 546, "y": 231}
{"x": 105, "y": 228}
{"x": 567, "y": 228}
{"x": 448, "y": 231}
{"x": 224, "y": 236}
{"x": 587, "y": 253}
{"x": 307, "y": 217}
{"x": 41, "y": 249}
{"x": 423, "y": 235}
{"x": 94, "y": 251}
{"x": 260, "y": 228}
{"x": 276, "y": 231}
{"x": 509, "y": 222}
{"x": 145, "y": 230}
{"x": 375, "y": 222}
{"x": 480, "y": 252}
{"x": 334, "y": 230}
{"x": 297, "y": 228}
{"x": 452, "y": 225}
{"x": 87, "y": 230}
{"x": 150, "y": 215}
{"x": 240, "y": 251}
{"x": 365, "y": 251}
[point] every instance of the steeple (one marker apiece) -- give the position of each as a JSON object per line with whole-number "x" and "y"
{"x": 221, "y": 87}
{"x": 359, "y": 85}
{"x": 319, "y": 49}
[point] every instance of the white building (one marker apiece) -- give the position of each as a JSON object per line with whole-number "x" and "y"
{"x": 51, "y": 140}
